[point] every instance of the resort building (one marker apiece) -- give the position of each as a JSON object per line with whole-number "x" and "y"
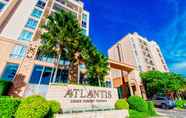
{"x": 20, "y": 22}
{"x": 138, "y": 51}
{"x": 144, "y": 55}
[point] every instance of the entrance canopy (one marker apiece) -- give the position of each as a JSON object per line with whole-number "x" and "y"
{"x": 121, "y": 66}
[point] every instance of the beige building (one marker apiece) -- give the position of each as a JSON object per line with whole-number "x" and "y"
{"x": 20, "y": 22}
{"x": 138, "y": 51}
{"x": 144, "y": 55}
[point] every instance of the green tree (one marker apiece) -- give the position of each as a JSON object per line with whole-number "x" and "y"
{"x": 157, "y": 82}
{"x": 60, "y": 33}
{"x": 97, "y": 67}
{"x": 78, "y": 53}
{"x": 63, "y": 38}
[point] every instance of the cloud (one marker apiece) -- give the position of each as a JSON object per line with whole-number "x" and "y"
{"x": 173, "y": 39}
{"x": 179, "y": 67}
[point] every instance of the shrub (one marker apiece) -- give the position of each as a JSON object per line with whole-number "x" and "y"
{"x": 138, "y": 104}
{"x": 151, "y": 108}
{"x": 180, "y": 104}
{"x": 137, "y": 114}
{"x": 54, "y": 106}
{"x": 8, "y": 106}
{"x": 4, "y": 86}
{"x": 121, "y": 104}
{"x": 33, "y": 107}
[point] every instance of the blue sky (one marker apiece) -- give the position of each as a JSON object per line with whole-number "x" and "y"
{"x": 161, "y": 20}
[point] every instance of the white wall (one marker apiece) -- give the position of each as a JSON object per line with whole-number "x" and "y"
{"x": 19, "y": 19}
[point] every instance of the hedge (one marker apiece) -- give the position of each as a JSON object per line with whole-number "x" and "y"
{"x": 33, "y": 107}
{"x": 180, "y": 104}
{"x": 54, "y": 108}
{"x": 137, "y": 103}
{"x": 121, "y": 104}
{"x": 8, "y": 106}
{"x": 4, "y": 86}
{"x": 137, "y": 114}
{"x": 151, "y": 108}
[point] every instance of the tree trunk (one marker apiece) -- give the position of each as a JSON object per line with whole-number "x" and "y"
{"x": 72, "y": 73}
{"x": 78, "y": 76}
{"x": 99, "y": 82}
{"x": 57, "y": 67}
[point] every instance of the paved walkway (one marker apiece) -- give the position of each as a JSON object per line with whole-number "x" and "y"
{"x": 172, "y": 113}
{"x": 97, "y": 114}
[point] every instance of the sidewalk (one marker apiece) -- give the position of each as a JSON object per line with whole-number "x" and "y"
{"x": 161, "y": 115}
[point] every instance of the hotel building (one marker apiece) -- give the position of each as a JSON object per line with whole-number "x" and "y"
{"x": 144, "y": 55}
{"x": 20, "y": 22}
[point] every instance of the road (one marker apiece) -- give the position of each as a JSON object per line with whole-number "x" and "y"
{"x": 173, "y": 113}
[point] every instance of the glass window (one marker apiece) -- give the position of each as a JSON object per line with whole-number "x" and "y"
{"x": 18, "y": 52}
{"x": 40, "y": 4}
{"x": 31, "y": 23}
{"x": 36, "y": 74}
{"x": 25, "y": 35}
{"x": 84, "y": 17}
{"x": 62, "y": 75}
{"x": 36, "y": 13}
{"x": 10, "y": 71}
{"x": 1, "y": 6}
{"x": 84, "y": 24}
{"x": 108, "y": 84}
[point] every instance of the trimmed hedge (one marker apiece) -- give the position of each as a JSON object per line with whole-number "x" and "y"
{"x": 121, "y": 104}
{"x": 151, "y": 108}
{"x": 137, "y": 114}
{"x": 33, "y": 107}
{"x": 137, "y": 103}
{"x": 4, "y": 86}
{"x": 8, "y": 106}
{"x": 180, "y": 104}
{"x": 54, "y": 106}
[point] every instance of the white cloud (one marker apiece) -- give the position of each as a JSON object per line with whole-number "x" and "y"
{"x": 179, "y": 67}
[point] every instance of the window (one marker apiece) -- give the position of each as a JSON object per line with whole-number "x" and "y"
{"x": 40, "y": 4}
{"x": 36, "y": 13}
{"x": 10, "y": 71}
{"x": 36, "y": 75}
{"x": 57, "y": 7}
{"x": 31, "y": 23}
{"x": 1, "y": 6}
{"x": 18, "y": 52}
{"x": 62, "y": 75}
{"x": 108, "y": 84}
{"x": 84, "y": 24}
{"x": 84, "y": 17}
{"x": 25, "y": 35}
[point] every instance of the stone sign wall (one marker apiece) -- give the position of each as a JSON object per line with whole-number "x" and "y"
{"x": 79, "y": 98}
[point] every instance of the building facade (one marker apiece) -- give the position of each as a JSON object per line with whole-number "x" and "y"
{"x": 121, "y": 79}
{"x": 20, "y": 22}
{"x": 138, "y": 51}
{"x": 144, "y": 55}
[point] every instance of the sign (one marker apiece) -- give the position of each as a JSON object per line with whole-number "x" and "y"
{"x": 78, "y": 98}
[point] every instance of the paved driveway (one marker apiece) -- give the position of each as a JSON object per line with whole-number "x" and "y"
{"x": 172, "y": 113}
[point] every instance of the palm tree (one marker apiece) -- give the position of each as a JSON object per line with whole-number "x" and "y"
{"x": 97, "y": 68}
{"x": 63, "y": 36}
{"x": 78, "y": 53}
{"x": 61, "y": 31}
